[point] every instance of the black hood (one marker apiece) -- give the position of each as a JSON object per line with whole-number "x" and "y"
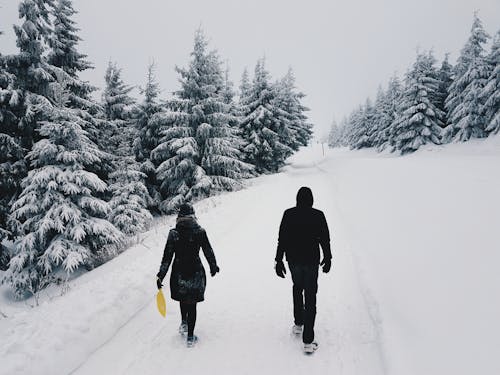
{"x": 304, "y": 197}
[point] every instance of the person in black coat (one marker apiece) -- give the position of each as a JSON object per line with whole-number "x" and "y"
{"x": 303, "y": 229}
{"x": 187, "y": 279}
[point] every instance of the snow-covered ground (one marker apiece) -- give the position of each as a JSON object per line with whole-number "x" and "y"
{"x": 413, "y": 290}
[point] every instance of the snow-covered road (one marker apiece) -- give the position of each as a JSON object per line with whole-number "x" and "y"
{"x": 244, "y": 325}
{"x": 412, "y": 289}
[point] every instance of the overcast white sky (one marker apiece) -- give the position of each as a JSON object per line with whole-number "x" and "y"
{"x": 341, "y": 50}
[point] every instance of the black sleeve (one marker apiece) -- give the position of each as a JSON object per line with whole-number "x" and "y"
{"x": 324, "y": 237}
{"x": 168, "y": 254}
{"x": 207, "y": 250}
{"x": 280, "y": 251}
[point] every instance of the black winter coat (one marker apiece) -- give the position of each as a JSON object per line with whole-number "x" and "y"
{"x": 188, "y": 279}
{"x": 302, "y": 230}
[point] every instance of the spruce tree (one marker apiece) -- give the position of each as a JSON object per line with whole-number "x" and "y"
{"x": 295, "y": 131}
{"x": 129, "y": 195}
{"x": 390, "y": 108}
{"x": 148, "y": 134}
{"x": 260, "y": 127}
{"x": 418, "y": 122}
{"x": 12, "y": 166}
{"x": 199, "y": 152}
{"x": 64, "y": 54}
{"x": 62, "y": 223}
{"x": 464, "y": 102}
{"x": 445, "y": 77}
{"x": 491, "y": 91}
{"x": 334, "y": 135}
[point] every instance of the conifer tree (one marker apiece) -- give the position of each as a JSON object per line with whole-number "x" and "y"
{"x": 294, "y": 130}
{"x": 199, "y": 152}
{"x": 12, "y": 166}
{"x": 260, "y": 127}
{"x": 148, "y": 134}
{"x": 491, "y": 92}
{"x": 390, "y": 108}
{"x": 445, "y": 77}
{"x": 464, "y": 102}
{"x": 64, "y": 54}
{"x": 62, "y": 223}
{"x": 418, "y": 122}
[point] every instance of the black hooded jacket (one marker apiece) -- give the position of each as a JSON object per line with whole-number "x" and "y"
{"x": 302, "y": 230}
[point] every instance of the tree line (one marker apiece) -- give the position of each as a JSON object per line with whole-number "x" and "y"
{"x": 80, "y": 176}
{"x": 433, "y": 104}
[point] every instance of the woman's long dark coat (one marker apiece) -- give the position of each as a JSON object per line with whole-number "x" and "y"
{"x": 188, "y": 279}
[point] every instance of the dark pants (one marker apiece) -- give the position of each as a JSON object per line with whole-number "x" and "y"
{"x": 188, "y": 315}
{"x": 305, "y": 287}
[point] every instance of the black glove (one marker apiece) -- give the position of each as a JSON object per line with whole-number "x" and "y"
{"x": 280, "y": 269}
{"x": 214, "y": 270}
{"x": 327, "y": 264}
{"x": 158, "y": 283}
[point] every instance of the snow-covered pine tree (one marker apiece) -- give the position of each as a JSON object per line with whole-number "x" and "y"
{"x": 418, "y": 121}
{"x": 491, "y": 91}
{"x": 61, "y": 221}
{"x": 380, "y": 118}
{"x": 65, "y": 55}
{"x": 118, "y": 130}
{"x": 445, "y": 77}
{"x": 260, "y": 127}
{"x": 30, "y": 71}
{"x": 393, "y": 102}
{"x": 199, "y": 152}
{"x": 294, "y": 129}
{"x": 464, "y": 102}
{"x": 130, "y": 198}
{"x": 334, "y": 135}
{"x": 363, "y": 126}
{"x": 129, "y": 195}
{"x": 148, "y": 134}
{"x": 12, "y": 166}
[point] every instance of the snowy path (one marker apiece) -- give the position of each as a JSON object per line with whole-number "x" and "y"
{"x": 244, "y": 325}
{"x": 412, "y": 290}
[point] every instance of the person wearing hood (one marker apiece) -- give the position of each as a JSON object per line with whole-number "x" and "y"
{"x": 187, "y": 279}
{"x": 303, "y": 229}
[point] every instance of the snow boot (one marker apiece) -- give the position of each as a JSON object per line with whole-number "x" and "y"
{"x": 297, "y": 330}
{"x": 191, "y": 340}
{"x": 310, "y": 348}
{"x": 183, "y": 328}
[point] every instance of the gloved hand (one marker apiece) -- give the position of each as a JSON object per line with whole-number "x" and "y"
{"x": 214, "y": 270}
{"x": 327, "y": 264}
{"x": 280, "y": 269}
{"x": 158, "y": 283}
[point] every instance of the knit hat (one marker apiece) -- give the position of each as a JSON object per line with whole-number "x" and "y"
{"x": 186, "y": 209}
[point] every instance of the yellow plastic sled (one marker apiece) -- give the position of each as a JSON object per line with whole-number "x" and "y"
{"x": 160, "y": 303}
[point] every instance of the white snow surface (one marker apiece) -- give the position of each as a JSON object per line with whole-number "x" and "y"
{"x": 414, "y": 287}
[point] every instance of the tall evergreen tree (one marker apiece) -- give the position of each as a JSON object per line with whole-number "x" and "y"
{"x": 445, "y": 77}
{"x": 198, "y": 153}
{"x": 418, "y": 122}
{"x": 491, "y": 92}
{"x": 61, "y": 221}
{"x": 148, "y": 133}
{"x": 260, "y": 127}
{"x": 464, "y": 102}
{"x": 390, "y": 108}
{"x": 129, "y": 195}
{"x": 294, "y": 129}
{"x": 65, "y": 55}
{"x": 12, "y": 166}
